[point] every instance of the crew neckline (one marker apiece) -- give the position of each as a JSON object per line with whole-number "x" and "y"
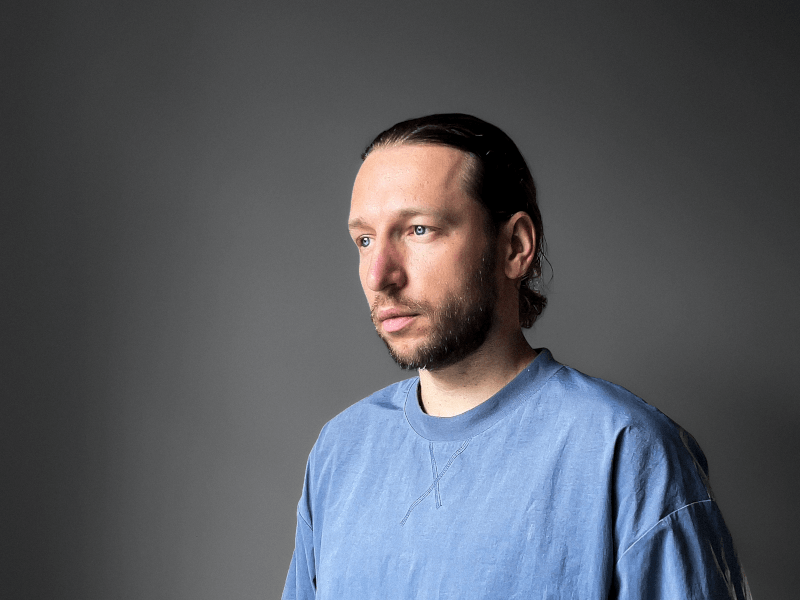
{"x": 487, "y": 413}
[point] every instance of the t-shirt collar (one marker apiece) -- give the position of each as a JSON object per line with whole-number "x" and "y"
{"x": 474, "y": 421}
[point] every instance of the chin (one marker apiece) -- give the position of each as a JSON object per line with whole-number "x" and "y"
{"x": 404, "y": 354}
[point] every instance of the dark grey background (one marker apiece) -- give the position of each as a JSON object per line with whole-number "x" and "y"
{"x": 181, "y": 310}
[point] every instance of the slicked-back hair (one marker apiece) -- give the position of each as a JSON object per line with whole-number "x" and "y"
{"x": 499, "y": 179}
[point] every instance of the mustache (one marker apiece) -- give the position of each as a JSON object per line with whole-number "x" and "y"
{"x": 385, "y": 302}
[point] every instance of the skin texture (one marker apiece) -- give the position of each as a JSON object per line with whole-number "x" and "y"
{"x": 457, "y": 326}
{"x": 421, "y": 239}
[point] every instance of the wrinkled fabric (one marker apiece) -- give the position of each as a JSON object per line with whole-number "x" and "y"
{"x": 559, "y": 486}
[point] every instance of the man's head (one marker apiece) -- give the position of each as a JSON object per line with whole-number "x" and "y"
{"x": 430, "y": 203}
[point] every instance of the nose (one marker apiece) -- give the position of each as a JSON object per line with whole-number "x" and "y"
{"x": 385, "y": 268}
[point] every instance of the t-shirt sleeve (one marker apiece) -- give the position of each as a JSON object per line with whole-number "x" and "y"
{"x": 301, "y": 579}
{"x": 688, "y": 554}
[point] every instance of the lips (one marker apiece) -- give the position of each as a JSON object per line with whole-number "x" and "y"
{"x": 394, "y": 324}
{"x": 394, "y": 319}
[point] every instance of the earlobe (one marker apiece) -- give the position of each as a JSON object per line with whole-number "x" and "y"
{"x": 521, "y": 245}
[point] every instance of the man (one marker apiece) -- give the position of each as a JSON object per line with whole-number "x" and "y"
{"x": 498, "y": 472}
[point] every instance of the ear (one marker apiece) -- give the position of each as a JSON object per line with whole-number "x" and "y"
{"x": 519, "y": 246}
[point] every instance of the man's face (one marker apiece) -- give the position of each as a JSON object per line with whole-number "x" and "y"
{"x": 425, "y": 262}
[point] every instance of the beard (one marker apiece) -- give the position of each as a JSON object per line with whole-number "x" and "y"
{"x": 459, "y": 325}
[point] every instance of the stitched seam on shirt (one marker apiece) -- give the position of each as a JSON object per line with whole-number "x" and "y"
{"x": 435, "y": 475}
{"x": 299, "y": 516}
{"x": 436, "y": 481}
{"x": 646, "y": 533}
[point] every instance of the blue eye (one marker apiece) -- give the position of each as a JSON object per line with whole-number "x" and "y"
{"x": 363, "y": 242}
{"x": 420, "y": 229}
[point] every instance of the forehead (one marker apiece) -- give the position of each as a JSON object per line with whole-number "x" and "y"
{"x": 411, "y": 176}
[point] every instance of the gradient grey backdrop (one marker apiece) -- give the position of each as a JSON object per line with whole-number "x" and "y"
{"x": 181, "y": 311}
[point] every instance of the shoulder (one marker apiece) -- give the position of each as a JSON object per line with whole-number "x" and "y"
{"x": 363, "y": 434}
{"x": 653, "y": 466}
{"x": 640, "y": 437}
{"x": 377, "y": 412}
{"x": 601, "y": 404}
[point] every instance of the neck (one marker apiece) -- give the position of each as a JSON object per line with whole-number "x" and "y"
{"x": 458, "y": 388}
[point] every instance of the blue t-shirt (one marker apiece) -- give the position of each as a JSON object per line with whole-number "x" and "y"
{"x": 558, "y": 486}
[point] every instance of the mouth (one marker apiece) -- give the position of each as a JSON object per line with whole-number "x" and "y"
{"x": 393, "y": 320}
{"x": 394, "y": 324}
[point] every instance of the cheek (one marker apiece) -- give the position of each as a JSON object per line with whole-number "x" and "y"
{"x": 459, "y": 270}
{"x": 451, "y": 266}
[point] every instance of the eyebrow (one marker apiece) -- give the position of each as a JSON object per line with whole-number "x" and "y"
{"x": 407, "y": 213}
{"x": 356, "y": 224}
